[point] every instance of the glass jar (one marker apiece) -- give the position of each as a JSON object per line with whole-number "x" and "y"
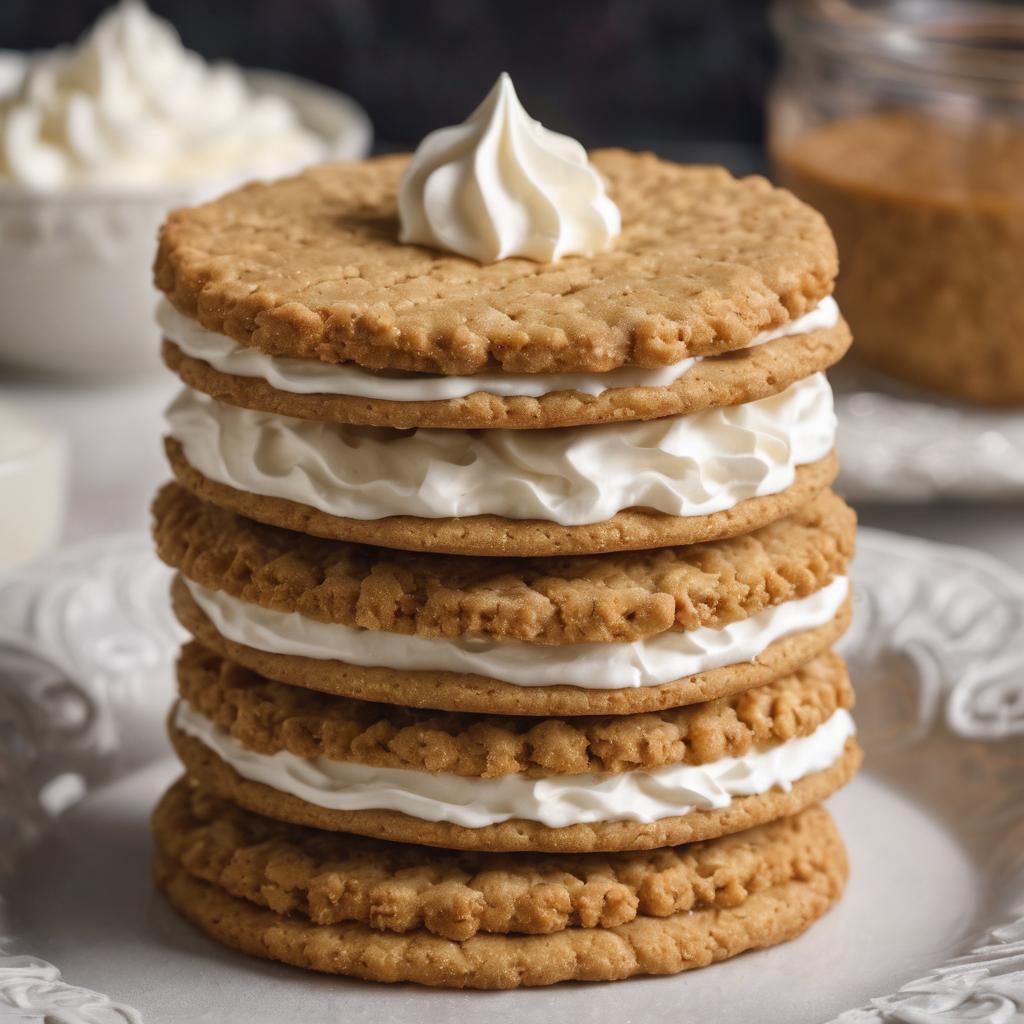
{"x": 903, "y": 123}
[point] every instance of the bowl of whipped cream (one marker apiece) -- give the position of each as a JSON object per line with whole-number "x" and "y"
{"x": 97, "y": 142}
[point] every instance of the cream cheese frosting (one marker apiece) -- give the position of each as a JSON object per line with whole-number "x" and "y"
{"x": 502, "y": 185}
{"x": 594, "y": 666}
{"x": 680, "y": 465}
{"x": 312, "y": 376}
{"x": 130, "y": 105}
{"x": 556, "y": 801}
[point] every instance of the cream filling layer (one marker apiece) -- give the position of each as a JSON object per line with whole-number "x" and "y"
{"x": 312, "y": 376}
{"x": 557, "y": 801}
{"x": 682, "y": 466}
{"x": 591, "y": 666}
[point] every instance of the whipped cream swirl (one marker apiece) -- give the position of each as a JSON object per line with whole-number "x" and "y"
{"x": 681, "y": 465}
{"x": 557, "y": 801}
{"x": 502, "y": 185}
{"x": 312, "y": 376}
{"x": 592, "y": 666}
{"x": 129, "y": 105}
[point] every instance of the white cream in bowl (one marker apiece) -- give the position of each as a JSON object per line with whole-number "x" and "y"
{"x": 97, "y": 143}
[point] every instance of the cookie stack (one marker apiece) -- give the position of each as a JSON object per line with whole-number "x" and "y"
{"x": 512, "y": 581}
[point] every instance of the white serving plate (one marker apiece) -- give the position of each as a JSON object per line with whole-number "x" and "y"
{"x": 901, "y": 445}
{"x": 931, "y": 928}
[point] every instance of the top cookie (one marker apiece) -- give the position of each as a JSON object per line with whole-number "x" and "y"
{"x": 311, "y": 267}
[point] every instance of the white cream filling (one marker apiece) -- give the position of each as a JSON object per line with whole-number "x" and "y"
{"x": 592, "y": 666}
{"x": 681, "y": 465}
{"x": 557, "y": 801}
{"x": 312, "y": 376}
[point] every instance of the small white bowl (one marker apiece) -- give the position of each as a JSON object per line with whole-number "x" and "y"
{"x": 76, "y": 292}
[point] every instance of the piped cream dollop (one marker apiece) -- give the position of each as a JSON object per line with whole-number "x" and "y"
{"x": 129, "y": 105}
{"x": 502, "y": 185}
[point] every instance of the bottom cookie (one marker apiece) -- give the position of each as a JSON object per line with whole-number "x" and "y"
{"x": 393, "y": 909}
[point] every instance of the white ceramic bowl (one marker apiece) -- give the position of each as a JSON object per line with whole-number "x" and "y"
{"x": 76, "y": 293}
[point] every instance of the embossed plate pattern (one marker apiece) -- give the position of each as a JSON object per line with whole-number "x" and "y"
{"x": 899, "y": 445}
{"x": 934, "y": 914}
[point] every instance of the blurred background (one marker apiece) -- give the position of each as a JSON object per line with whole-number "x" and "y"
{"x": 687, "y": 78}
{"x": 691, "y": 80}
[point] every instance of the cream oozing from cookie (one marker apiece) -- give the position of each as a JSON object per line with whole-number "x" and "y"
{"x": 692, "y": 465}
{"x": 313, "y": 376}
{"x": 502, "y": 185}
{"x": 593, "y": 666}
{"x": 556, "y": 801}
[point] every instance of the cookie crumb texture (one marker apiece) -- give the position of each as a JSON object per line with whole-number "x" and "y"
{"x": 311, "y": 267}
{"x": 616, "y": 598}
{"x": 392, "y": 913}
{"x": 268, "y": 717}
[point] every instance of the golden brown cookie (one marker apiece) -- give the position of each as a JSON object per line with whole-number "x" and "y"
{"x": 731, "y": 379}
{"x": 311, "y": 267}
{"x": 268, "y": 717}
{"x": 619, "y": 597}
{"x": 454, "y": 691}
{"x": 517, "y": 835}
{"x": 644, "y": 946}
{"x": 630, "y": 530}
{"x": 333, "y": 879}
{"x": 252, "y": 720}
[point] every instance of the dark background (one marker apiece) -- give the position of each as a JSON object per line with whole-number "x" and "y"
{"x": 685, "y": 77}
